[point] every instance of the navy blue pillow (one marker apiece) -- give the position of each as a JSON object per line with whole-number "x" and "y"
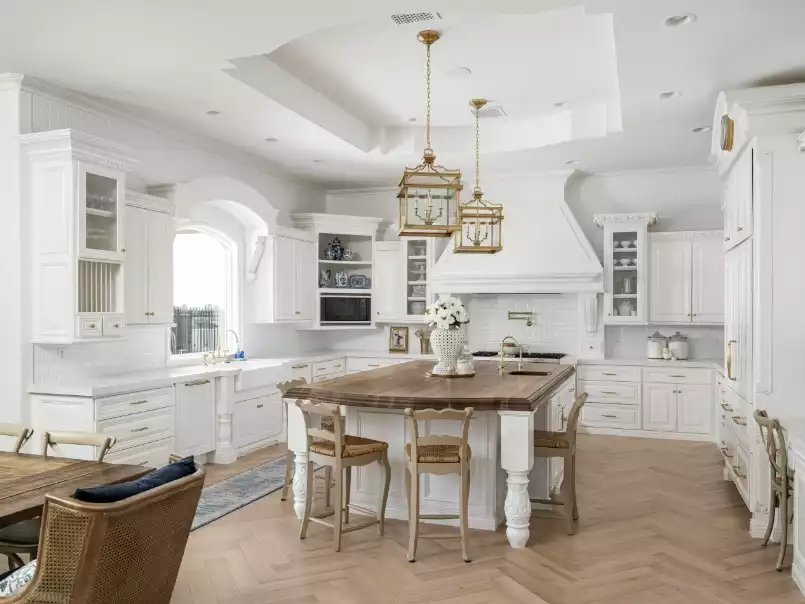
{"x": 110, "y": 493}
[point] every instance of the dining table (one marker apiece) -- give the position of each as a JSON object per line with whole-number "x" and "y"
{"x": 26, "y": 479}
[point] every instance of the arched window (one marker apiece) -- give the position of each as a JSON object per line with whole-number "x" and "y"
{"x": 204, "y": 291}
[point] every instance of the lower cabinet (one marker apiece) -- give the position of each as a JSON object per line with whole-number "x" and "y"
{"x": 195, "y": 417}
{"x": 152, "y": 455}
{"x": 258, "y": 420}
{"x": 678, "y": 408}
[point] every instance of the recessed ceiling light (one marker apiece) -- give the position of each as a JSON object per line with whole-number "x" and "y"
{"x": 411, "y": 119}
{"x": 702, "y": 129}
{"x": 213, "y": 112}
{"x": 318, "y": 161}
{"x": 671, "y": 94}
{"x": 572, "y": 162}
{"x": 562, "y": 104}
{"x": 271, "y": 139}
{"x": 678, "y": 20}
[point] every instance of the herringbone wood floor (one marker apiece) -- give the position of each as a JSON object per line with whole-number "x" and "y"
{"x": 658, "y": 525}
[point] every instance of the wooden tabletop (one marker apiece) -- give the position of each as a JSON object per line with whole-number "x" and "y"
{"x": 406, "y": 385}
{"x": 26, "y": 479}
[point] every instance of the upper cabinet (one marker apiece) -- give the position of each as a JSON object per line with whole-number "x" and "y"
{"x": 402, "y": 269}
{"x": 285, "y": 278}
{"x": 625, "y": 267}
{"x": 150, "y": 230}
{"x": 687, "y": 277}
{"x": 738, "y": 200}
{"x": 738, "y": 323}
{"x": 389, "y": 285}
{"x": 74, "y": 186}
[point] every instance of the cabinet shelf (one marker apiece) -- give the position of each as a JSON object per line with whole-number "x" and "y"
{"x": 624, "y": 249}
{"x": 347, "y": 262}
{"x": 101, "y": 213}
{"x": 418, "y": 282}
{"x": 344, "y": 290}
{"x": 417, "y": 257}
{"x": 417, "y": 298}
{"x": 624, "y": 268}
{"x": 624, "y": 296}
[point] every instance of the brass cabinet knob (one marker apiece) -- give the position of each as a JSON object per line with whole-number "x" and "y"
{"x": 726, "y": 238}
{"x": 122, "y": 249}
{"x": 739, "y": 229}
{"x": 91, "y": 326}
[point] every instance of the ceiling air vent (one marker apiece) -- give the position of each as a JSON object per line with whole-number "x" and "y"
{"x": 489, "y": 111}
{"x": 414, "y": 18}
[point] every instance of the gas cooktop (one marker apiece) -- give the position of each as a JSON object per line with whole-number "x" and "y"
{"x": 553, "y": 356}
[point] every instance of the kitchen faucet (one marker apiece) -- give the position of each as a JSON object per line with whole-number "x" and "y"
{"x": 502, "y": 356}
{"x": 220, "y": 353}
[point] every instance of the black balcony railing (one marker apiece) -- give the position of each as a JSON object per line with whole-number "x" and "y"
{"x": 195, "y": 329}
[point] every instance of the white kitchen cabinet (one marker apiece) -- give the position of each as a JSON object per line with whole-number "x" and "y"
{"x": 625, "y": 267}
{"x": 738, "y": 318}
{"x": 687, "y": 276}
{"x": 302, "y": 370}
{"x": 73, "y": 187}
{"x": 739, "y": 200}
{"x": 286, "y": 278}
{"x": 258, "y": 420}
{"x": 695, "y": 409}
{"x": 388, "y": 292}
{"x": 195, "y": 417}
{"x": 150, "y": 230}
{"x": 659, "y": 407}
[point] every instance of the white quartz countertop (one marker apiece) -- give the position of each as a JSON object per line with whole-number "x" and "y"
{"x": 716, "y": 364}
{"x": 326, "y": 355}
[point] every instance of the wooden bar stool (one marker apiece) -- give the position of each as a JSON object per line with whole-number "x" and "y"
{"x": 782, "y": 480}
{"x": 437, "y": 455}
{"x": 341, "y": 452}
{"x": 563, "y": 444}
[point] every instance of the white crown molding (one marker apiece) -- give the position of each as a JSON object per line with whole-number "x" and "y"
{"x": 685, "y": 235}
{"x": 801, "y": 141}
{"x": 80, "y": 145}
{"x": 149, "y": 202}
{"x": 149, "y": 122}
{"x": 337, "y": 223}
{"x": 10, "y": 81}
{"x": 363, "y": 192}
{"x": 653, "y": 171}
{"x": 648, "y": 218}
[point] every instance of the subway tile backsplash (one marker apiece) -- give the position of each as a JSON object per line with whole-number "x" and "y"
{"x": 554, "y": 328}
{"x": 629, "y": 342}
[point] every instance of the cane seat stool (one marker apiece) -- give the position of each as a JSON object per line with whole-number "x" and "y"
{"x": 563, "y": 444}
{"x": 339, "y": 453}
{"x": 437, "y": 454}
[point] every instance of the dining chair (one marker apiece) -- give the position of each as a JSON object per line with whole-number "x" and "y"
{"x": 341, "y": 452}
{"x": 437, "y": 454}
{"x": 21, "y": 433}
{"x": 326, "y": 424}
{"x": 127, "y": 552}
{"x": 23, "y": 537}
{"x": 781, "y": 480}
{"x": 563, "y": 444}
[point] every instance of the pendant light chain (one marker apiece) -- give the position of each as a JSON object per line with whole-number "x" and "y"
{"x": 477, "y": 148}
{"x": 427, "y": 104}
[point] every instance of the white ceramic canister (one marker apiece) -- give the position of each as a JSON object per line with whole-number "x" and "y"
{"x": 656, "y": 344}
{"x": 679, "y": 346}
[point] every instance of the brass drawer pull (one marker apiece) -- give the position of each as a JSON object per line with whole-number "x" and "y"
{"x": 140, "y": 402}
{"x": 608, "y": 392}
{"x": 373, "y": 365}
{"x": 260, "y": 406}
{"x": 197, "y": 383}
{"x": 605, "y": 373}
{"x": 143, "y": 463}
{"x": 739, "y": 420}
{"x": 677, "y": 376}
{"x": 725, "y": 452}
{"x": 726, "y": 407}
{"x": 609, "y": 416}
{"x": 304, "y": 366}
{"x": 143, "y": 429}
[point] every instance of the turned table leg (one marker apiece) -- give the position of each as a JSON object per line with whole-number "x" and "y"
{"x": 297, "y": 442}
{"x": 517, "y": 458}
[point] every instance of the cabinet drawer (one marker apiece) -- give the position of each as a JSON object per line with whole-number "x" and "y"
{"x": 610, "y": 416}
{"x": 618, "y": 393}
{"x": 609, "y": 373}
{"x": 90, "y": 327}
{"x": 133, "y": 402}
{"x": 331, "y": 376}
{"x": 739, "y": 469}
{"x": 258, "y": 419}
{"x": 367, "y": 364}
{"x": 138, "y": 428}
{"x": 152, "y": 455}
{"x": 670, "y": 375}
{"x": 113, "y": 325}
{"x": 326, "y": 367}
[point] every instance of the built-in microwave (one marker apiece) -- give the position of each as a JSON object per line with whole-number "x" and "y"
{"x": 346, "y": 309}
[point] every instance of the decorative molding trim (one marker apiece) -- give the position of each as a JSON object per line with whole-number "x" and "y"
{"x": 518, "y": 284}
{"x": 80, "y": 145}
{"x": 647, "y": 218}
{"x": 11, "y": 81}
{"x": 338, "y": 223}
{"x": 685, "y": 235}
{"x": 763, "y": 273}
{"x": 363, "y": 192}
{"x": 801, "y": 141}
{"x": 149, "y": 202}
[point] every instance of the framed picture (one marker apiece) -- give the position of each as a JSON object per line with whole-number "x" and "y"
{"x": 398, "y": 339}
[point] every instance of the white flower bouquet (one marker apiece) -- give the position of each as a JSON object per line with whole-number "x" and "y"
{"x": 446, "y": 313}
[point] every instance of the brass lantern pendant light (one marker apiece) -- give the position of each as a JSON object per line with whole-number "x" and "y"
{"x": 481, "y": 222}
{"x": 428, "y": 195}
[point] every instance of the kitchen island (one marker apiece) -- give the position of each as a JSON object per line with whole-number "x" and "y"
{"x": 508, "y": 409}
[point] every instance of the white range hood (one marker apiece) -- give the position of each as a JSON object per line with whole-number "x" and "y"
{"x": 544, "y": 249}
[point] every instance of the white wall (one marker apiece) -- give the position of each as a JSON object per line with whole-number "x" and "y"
{"x": 202, "y": 171}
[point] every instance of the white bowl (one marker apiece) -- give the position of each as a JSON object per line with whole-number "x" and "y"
{"x": 625, "y": 261}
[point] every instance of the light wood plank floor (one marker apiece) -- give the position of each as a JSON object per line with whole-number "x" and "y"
{"x": 658, "y": 525}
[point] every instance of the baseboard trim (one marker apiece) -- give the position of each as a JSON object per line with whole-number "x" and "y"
{"x": 646, "y": 434}
{"x": 260, "y": 444}
{"x": 798, "y": 574}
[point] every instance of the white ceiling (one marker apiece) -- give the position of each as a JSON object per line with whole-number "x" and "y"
{"x": 176, "y": 60}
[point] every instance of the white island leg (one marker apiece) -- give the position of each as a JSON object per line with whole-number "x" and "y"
{"x": 297, "y": 442}
{"x": 517, "y": 458}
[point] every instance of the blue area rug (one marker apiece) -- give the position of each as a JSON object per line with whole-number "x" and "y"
{"x": 237, "y": 491}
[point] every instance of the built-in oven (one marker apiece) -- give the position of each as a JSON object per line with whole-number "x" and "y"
{"x": 346, "y": 309}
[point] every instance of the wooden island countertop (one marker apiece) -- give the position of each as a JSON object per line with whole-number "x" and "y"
{"x": 406, "y": 385}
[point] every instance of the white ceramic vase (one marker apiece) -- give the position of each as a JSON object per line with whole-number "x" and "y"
{"x": 447, "y": 344}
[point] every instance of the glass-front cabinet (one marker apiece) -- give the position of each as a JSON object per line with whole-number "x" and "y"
{"x": 100, "y": 197}
{"x": 417, "y": 269}
{"x": 625, "y": 266}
